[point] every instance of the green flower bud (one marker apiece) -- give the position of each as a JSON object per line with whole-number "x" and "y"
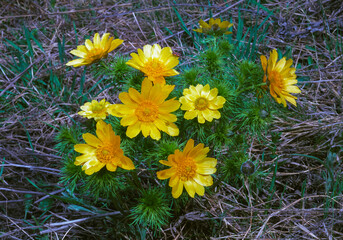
{"x": 248, "y": 168}
{"x": 264, "y": 114}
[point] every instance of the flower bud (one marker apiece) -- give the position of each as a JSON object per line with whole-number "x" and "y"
{"x": 248, "y": 168}
{"x": 263, "y": 114}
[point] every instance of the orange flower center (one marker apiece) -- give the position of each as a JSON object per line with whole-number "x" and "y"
{"x": 147, "y": 111}
{"x": 154, "y": 68}
{"x": 275, "y": 79}
{"x": 201, "y": 103}
{"x": 108, "y": 154}
{"x": 186, "y": 169}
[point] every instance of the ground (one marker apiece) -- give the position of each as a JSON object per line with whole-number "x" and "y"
{"x": 300, "y": 197}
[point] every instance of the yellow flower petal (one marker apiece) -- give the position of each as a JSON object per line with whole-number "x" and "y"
{"x": 91, "y": 140}
{"x": 104, "y": 40}
{"x": 128, "y": 120}
{"x": 190, "y": 188}
{"x": 89, "y": 45}
{"x": 189, "y": 146}
{"x": 126, "y": 163}
{"x": 170, "y": 106}
{"x": 173, "y": 181}
{"x": 96, "y": 40}
{"x": 76, "y": 62}
{"x": 203, "y": 24}
{"x": 111, "y": 167}
{"x": 205, "y": 170}
{"x": 177, "y": 189}
{"x": 145, "y": 127}
{"x": 83, "y": 158}
{"x": 84, "y": 148}
{"x": 199, "y": 189}
{"x": 154, "y": 132}
{"x": 190, "y": 114}
{"x": 167, "y": 163}
{"x": 204, "y": 180}
{"x": 201, "y": 118}
{"x": 208, "y": 115}
{"x": 165, "y": 174}
{"x": 172, "y": 130}
{"x": 133, "y": 130}
{"x": 207, "y": 162}
{"x": 115, "y": 43}
{"x": 78, "y": 53}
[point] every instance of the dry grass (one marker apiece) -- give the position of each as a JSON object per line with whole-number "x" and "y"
{"x": 311, "y": 132}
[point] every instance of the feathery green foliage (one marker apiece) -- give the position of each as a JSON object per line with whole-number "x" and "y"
{"x": 152, "y": 209}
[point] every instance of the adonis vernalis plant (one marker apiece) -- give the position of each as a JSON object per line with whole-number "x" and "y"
{"x": 201, "y": 102}
{"x": 280, "y": 78}
{"x": 215, "y": 27}
{"x": 148, "y": 111}
{"x": 191, "y": 169}
{"x": 92, "y": 52}
{"x": 155, "y": 63}
{"x": 95, "y": 109}
{"x": 100, "y": 151}
{"x": 223, "y": 90}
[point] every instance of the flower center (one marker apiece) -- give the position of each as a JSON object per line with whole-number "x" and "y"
{"x": 147, "y": 111}
{"x": 107, "y": 154}
{"x": 186, "y": 169}
{"x": 96, "y": 54}
{"x": 215, "y": 27}
{"x": 201, "y": 103}
{"x": 275, "y": 79}
{"x": 98, "y": 108}
{"x": 153, "y": 68}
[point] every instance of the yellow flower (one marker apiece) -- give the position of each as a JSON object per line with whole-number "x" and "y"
{"x": 201, "y": 102}
{"x": 215, "y": 27}
{"x": 92, "y": 52}
{"x": 102, "y": 150}
{"x": 147, "y": 111}
{"x": 281, "y": 78}
{"x": 155, "y": 63}
{"x": 94, "y": 109}
{"x": 190, "y": 169}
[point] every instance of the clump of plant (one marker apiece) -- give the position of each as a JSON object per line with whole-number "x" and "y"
{"x": 172, "y": 128}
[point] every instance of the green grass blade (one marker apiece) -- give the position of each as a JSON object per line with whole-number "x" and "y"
{"x": 183, "y": 25}
{"x": 75, "y": 30}
{"x": 15, "y": 46}
{"x": 61, "y": 49}
{"x": 28, "y": 41}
